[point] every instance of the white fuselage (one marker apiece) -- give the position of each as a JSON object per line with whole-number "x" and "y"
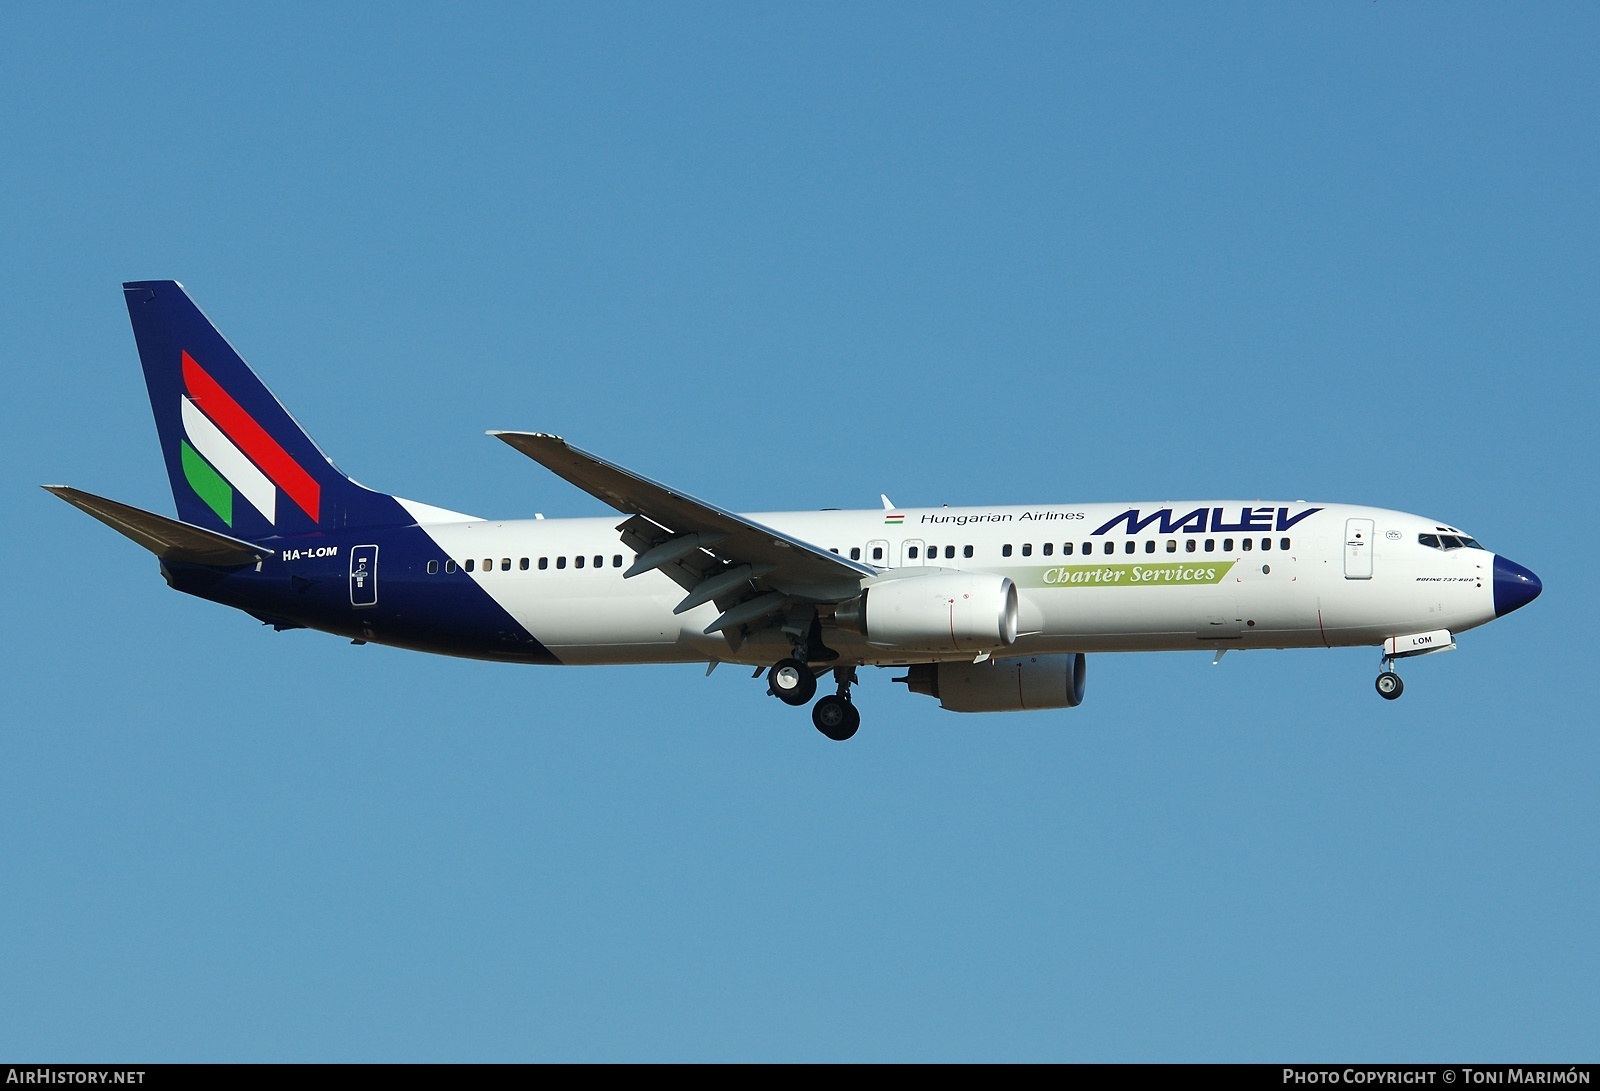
{"x": 1096, "y": 577}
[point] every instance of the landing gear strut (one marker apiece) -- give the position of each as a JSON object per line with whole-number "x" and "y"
{"x": 834, "y": 715}
{"x": 1389, "y": 684}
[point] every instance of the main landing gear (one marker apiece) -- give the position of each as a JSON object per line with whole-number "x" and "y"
{"x": 834, "y": 715}
{"x": 1388, "y": 683}
{"x": 793, "y": 682}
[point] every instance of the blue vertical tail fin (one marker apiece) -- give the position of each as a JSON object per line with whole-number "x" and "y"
{"x": 238, "y": 462}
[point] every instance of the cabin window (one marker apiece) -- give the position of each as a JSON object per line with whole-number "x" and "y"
{"x": 1129, "y": 546}
{"x": 1066, "y": 549}
{"x": 1088, "y": 548}
{"x": 1172, "y": 545}
{"x": 855, "y": 553}
{"x": 449, "y": 566}
{"x": 1266, "y": 543}
{"x": 468, "y": 564}
{"x": 1227, "y": 545}
{"x": 561, "y": 562}
{"x": 1005, "y": 550}
{"x": 616, "y": 560}
{"x": 911, "y": 551}
{"x": 1188, "y": 545}
{"x": 433, "y": 568}
{"x": 1211, "y": 545}
{"x": 1027, "y": 549}
{"x": 877, "y": 553}
{"x": 523, "y": 564}
{"x": 1283, "y": 543}
{"x": 1248, "y": 544}
{"x": 966, "y": 551}
{"x": 1048, "y": 548}
{"x": 1150, "y": 546}
{"x": 488, "y": 564}
{"x": 1111, "y": 547}
{"x": 544, "y": 563}
{"x": 505, "y": 564}
{"x": 599, "y": 560}
{"x": 577, "y": 562}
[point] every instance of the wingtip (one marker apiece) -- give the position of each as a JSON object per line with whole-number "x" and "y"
{"x": 507, "y": 435}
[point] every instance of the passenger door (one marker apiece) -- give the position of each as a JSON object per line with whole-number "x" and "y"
{"x": 1358, "y": 549}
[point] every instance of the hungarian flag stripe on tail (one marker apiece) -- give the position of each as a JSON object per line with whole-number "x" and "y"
{"x": 249, "y": 437}
{"x": 228, "y": 461}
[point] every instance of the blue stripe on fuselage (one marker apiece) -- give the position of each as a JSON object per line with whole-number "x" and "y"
{"x": 308, "y": 582}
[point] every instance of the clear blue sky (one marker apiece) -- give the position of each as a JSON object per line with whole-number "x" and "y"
{"x": 793, "y": 257}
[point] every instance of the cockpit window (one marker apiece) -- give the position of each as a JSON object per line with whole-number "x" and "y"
{"x": 1448, "y": 541}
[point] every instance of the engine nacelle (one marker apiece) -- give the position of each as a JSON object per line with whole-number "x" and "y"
{"x": 1016, "y": 684}
{"x": 947, "y": 612}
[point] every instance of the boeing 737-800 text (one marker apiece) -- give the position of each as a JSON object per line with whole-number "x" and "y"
{"x": 988, "y": 609}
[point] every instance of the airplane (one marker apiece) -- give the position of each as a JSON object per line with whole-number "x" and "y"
{"x": 986, "y": 608}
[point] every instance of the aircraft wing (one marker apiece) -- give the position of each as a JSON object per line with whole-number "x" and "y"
{"x": 166, "y": 538}
{"x": 713, "y": 554}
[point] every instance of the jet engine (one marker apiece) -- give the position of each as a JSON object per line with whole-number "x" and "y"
{"x": 1016, "y": 684}
{"x": 947, "y": 612}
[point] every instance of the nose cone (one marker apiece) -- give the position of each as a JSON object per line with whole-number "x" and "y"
{"x": 1514, "y": 586}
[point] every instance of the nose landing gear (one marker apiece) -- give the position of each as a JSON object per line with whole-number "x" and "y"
{"x": 1388, "y": 684}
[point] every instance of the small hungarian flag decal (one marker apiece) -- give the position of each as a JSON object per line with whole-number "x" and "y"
{"x": 894, "y": 520}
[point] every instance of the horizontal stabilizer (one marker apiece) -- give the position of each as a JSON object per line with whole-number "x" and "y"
{"x": 166, "y": 538}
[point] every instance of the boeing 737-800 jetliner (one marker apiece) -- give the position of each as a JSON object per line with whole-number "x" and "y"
{"x": 987, "y": 609}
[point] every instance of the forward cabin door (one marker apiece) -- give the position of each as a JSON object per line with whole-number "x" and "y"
{"x": 1358, "y": 549}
